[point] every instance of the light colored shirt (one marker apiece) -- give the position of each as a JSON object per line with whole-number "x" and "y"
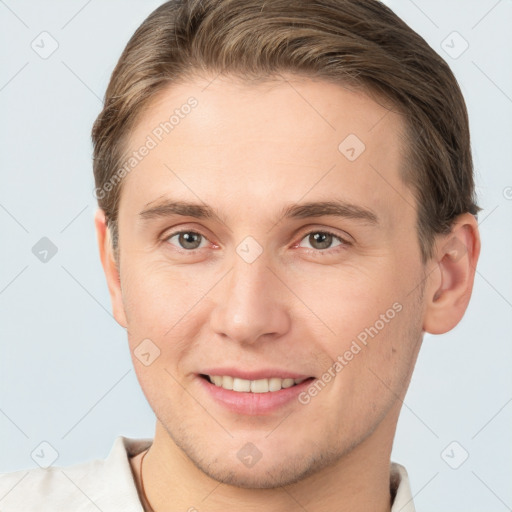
{"x": 108, "y": 485}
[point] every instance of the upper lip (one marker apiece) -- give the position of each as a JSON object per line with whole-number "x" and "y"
{"x": 264, "y": 373}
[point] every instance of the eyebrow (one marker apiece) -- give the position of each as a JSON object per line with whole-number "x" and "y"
{"x": 166, "y": 208}
{"x": 332, "y": 208}
{"x": 337, "y": 208}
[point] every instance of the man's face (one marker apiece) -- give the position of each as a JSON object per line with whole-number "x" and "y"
{"x": 270, "y": 286}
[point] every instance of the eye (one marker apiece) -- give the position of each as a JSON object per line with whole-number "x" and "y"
{"x": 321, "y": 240}
{"x": 188, "y": 240}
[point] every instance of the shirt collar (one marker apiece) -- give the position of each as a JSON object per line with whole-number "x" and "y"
{"x": 401, "y": 489}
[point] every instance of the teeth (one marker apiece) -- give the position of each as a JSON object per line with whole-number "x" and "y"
{"x": 241, "y": 384}
{"x": 259, "y": 386}
{"x": 274, "y": 384}
{"x": 287, "y": 383}
{"x": 217, "y": 380}
{"x": 226, "y": 382}
{"x": 253, "y": 386}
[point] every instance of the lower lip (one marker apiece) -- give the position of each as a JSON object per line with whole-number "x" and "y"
{"x": 254, "y": 404}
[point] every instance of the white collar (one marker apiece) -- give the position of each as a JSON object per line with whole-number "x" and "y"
{"x": 109, "y": 485}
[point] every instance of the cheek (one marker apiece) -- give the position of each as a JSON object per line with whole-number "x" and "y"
{"x": 378, "y": 361}
{"x": 372, "y": 324}
{"x": 348, "y": 305}
{"x": 168, "y": 307}
{"x": 156, "y": 296}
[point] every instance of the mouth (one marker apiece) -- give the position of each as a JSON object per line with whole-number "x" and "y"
{"x": 268, "y": 385}
{"x": 260, "y": 395}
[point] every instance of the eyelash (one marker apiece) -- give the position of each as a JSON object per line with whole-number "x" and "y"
{"x": 343, "y": 242}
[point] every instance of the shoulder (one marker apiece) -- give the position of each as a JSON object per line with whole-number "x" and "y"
{"x": 57, "y": 488}
{"x": 100, "y": 484}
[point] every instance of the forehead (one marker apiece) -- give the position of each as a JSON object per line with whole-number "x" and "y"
{"x": 270, "y": 142}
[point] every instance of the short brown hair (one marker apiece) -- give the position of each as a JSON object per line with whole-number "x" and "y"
{"x": 359, "y": 43}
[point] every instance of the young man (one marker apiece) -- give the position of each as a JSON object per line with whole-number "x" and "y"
{"x": 286, "y": 206}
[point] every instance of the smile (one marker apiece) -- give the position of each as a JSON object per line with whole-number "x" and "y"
{"x": 253, "y": 391}
{"x": 270, "y": 385}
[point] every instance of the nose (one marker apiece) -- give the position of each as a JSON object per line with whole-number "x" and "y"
{"x": 250, "y": 305}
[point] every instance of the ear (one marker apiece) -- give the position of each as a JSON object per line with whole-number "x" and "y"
{"x": 110, "y": 267}
{"x": 452, "y": 273}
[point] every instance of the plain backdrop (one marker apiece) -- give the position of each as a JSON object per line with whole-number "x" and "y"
{"x": 66, "y": 377}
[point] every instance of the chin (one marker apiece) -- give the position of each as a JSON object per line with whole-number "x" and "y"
{"x": 265, "y": 477}
{"x": 272, "y": 470}
{"x": 284, "y": 459}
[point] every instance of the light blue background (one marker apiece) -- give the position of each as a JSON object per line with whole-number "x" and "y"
{"x": 65, "y": 372}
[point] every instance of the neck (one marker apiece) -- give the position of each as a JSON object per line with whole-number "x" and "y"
{"x": 357, "y": 482}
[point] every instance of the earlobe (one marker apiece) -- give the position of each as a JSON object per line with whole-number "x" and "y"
{"x": 449, "y": 290}
{"x": 110, "y": 267}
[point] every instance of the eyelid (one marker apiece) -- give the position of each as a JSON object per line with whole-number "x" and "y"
{"x": 344, "y": 238}
{"x": 182, "y": 228}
